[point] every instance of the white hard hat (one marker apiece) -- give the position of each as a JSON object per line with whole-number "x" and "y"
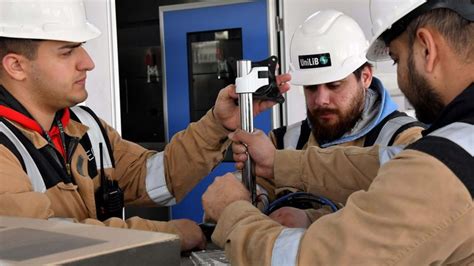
{"x": 60, "y": 20}
{"x": 391, "y": 17}
{"x": 327, "y": 47}
{"x": 382, "y": 19}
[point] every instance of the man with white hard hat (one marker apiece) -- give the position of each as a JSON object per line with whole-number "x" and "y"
{"x": 417, "y": 208}
{"x": 59, "y": 160}
{"x": 346, "y": 105}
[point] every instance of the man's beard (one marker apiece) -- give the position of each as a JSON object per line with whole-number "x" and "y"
{"x": 421, "y": 95}
{"x": 324, "y": 132}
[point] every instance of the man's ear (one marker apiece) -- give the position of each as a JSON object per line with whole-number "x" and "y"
{"x": 14, "y": 66}
{"x": 366, "y": 76}
{"x": 428, "y": 48}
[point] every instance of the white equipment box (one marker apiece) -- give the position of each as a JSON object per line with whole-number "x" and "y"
{"x": 39, "y": 242}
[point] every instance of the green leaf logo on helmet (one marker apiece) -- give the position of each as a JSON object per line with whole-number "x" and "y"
{"x": 324, "y": 60}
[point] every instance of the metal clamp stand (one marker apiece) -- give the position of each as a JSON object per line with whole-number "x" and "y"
{"x": 246, "y": 121}
{"x": 254, "y": 80}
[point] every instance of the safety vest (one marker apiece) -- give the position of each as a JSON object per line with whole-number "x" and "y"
{"x": 38, "y": 165}
{"x": 453, "y": 145}
{"x": 297, "y": 135}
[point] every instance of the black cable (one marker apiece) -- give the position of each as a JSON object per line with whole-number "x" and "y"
{"x": 300, "y": 198}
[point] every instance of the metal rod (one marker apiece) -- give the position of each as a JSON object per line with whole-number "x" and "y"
{"x": 246, "y": 119}
{"x": 246, "y": 122}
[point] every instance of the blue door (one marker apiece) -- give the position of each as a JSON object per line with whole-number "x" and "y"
{"x": 184, "y": 29}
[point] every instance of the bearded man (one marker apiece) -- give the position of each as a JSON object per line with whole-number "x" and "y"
{"x": 346, "y": 105}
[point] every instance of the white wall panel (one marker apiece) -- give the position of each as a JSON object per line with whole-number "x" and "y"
{"x": 103, "y": 82}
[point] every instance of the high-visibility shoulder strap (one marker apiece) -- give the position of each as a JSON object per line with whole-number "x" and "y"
{"x": 294, "y": 136}
{"x": 393, "y": 127}
{"x": 96, "y": 135}
{"x": 387, "y": 130}
{"x": 25, "y": 158}
{"x": 453, "y": 145}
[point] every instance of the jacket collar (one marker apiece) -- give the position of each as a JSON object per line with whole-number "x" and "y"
{"x": 13, "y": 110}
{"x": 459, "y": 109}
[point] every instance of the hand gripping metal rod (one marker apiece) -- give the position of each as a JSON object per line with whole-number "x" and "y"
{"x": 246, "y": 121}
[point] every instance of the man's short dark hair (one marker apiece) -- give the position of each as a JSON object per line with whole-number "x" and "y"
{"x": 457, "y": 30}
{"x": 25, "y": 47}
{"x": 358, "y": 72}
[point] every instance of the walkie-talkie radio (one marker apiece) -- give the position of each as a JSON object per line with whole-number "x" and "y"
{"x": 109, "y": 197}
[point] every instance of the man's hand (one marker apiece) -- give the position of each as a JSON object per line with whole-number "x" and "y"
{"x": 222, "y": 192}
{"x": 291, "y": 217}
{"x": 260, "y": 148}
{"x": 190, "y": 234}
{"x": 227, "y": 112}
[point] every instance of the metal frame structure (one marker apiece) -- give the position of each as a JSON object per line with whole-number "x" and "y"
{"x": 271, "y": 5}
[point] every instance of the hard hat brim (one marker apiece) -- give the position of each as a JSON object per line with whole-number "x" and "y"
{"x": 378, "y": 50}
{"x": 89, "y": 32}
